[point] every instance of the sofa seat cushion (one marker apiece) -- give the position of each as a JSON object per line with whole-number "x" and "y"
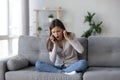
{"x": 32, "y": 74}
{"x": 102, "y": 73}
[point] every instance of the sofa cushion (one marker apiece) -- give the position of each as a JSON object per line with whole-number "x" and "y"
{"x": 16, "y": 63}
{"x": 102, "y": 73}
{"x": 84, "y": 43}
{"x": 44, "y": 56}
{"x": 29, "y": 48}
{"x": 31, "y": 74}
{"x": 104, "y": 51}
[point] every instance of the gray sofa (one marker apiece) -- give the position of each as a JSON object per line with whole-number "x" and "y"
{"x": 102, "y": 53}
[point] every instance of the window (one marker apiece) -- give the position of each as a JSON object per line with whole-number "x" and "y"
{"x": 3, "y": 17}
{"x": 10, "y": 22}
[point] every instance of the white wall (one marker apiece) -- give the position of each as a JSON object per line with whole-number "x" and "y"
{"x": 74, "y": 11}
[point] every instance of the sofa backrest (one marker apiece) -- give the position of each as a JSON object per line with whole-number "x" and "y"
{"x": 29, "y": 48}
{"x": 84, "y": 43}
{"x": 34, "y": 48}
{"x": 104, "y": 51}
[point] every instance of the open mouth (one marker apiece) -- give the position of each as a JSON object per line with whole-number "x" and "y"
{"x": 57, "y": 37}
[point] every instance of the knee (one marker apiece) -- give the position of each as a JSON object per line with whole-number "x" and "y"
{"x": 38, "y": 64}
{"x": 83, "y": 63}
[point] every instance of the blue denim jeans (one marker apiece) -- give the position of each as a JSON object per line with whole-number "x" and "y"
{"x": 79, "y": 66}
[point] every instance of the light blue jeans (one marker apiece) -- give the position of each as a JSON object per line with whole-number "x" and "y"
{"x": 79, "y": 66}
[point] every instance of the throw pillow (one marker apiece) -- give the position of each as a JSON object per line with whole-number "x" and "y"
{"x": 16, "y": 63}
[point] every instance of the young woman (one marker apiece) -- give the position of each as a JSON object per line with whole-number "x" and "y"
{"x": 63, "y": 47}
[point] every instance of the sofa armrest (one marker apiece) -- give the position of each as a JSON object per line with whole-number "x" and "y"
{"x": 3, "y": 68}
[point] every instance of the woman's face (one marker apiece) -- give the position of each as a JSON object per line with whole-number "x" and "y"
{"x": 57, "y": 32}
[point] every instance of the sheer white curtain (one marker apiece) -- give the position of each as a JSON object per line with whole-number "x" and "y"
{"x": 14, "y": 21}
{"x": 3, "y": 28}
{"x": 25, "y": 17}
{"x": 19, "y": 10}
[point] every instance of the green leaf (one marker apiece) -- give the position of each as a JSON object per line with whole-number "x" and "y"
{"x": 93, "y": 25}
{"x": 99, "y": 24}
{"x": 39, "y": 29}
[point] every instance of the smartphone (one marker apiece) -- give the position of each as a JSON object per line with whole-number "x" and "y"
{"x": 54, "y": 38}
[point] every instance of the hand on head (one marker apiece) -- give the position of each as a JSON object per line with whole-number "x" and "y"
{"x": 66, "y": 36}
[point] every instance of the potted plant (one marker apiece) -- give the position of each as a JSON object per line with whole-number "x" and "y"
{"x": 50, "y": 17}
{"x": 94, "y": 27}
{"x": 39, "y": 30}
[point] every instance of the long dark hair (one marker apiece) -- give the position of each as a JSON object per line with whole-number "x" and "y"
{"x": 54, "y": 23}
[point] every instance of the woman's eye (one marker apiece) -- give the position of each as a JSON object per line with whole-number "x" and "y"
{"x": 53, "y": 32}
{"x": 58, "y": 31}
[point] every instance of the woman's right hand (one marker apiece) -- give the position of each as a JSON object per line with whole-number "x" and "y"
{"x": 52, "y": 38}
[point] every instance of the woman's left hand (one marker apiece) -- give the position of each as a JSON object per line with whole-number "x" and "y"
{"x": 66, "y": 36}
